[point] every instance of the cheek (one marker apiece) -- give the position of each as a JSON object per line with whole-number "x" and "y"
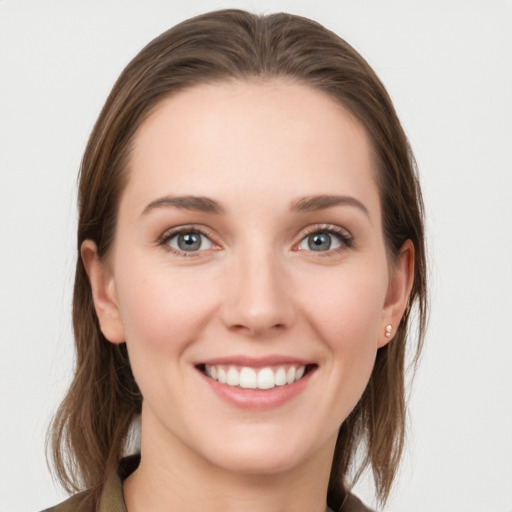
{"x": 163, "y": 313}
{"x": 162, "y": 310}
{"x": 347, "y": 314}
{"x": 349, "y": 305}
{"x": 347, "y": 318}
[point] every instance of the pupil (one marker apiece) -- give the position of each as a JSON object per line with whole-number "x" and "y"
{"x": 189, "y": 242}
{"x": 319, "y": 242}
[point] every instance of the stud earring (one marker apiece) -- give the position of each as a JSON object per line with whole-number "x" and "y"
{"x": 388, "y": 330}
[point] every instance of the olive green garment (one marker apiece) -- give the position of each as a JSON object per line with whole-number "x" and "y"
{"x": 111, "y": 498}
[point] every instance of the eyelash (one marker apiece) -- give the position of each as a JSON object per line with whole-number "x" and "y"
{"x": 184, "y": 230}
{"x": 346, "y": 239}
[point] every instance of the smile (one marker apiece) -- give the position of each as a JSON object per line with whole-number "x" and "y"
{"x": 257, "y": 383}
{"x": 246, "y": 377}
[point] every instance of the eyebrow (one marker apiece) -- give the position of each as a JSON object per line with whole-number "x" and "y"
{"x": 196, "y": 203}
{"x": 207, "y": 205}
{"x": 322, "y": 202}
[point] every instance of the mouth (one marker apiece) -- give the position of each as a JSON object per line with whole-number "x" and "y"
{"x": 261, "y": 378}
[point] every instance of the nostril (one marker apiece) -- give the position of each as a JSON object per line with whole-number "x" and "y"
{"x": 257, "y": 329}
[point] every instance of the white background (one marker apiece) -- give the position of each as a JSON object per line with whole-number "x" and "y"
{"x": 448, "y": 67}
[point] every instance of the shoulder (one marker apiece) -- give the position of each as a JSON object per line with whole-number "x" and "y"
{"x": 108, "y": 498}
{"x": 354, "y": 504}
{"x": 81, "y": 502}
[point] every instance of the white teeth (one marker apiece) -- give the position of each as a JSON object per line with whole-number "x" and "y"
{"x": 280, "y": 378}
{"x": 249, "y": 378}
{"x": 233, "y": 378}
{"x": 266, "y": 378}
{"x": 221, "y": 376}
{"x": 290, "y": 375}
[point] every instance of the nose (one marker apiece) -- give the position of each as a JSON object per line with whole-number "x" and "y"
{"x": 258, "y": 295}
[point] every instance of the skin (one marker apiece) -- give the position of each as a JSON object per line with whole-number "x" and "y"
{"x": 254, "y": 289}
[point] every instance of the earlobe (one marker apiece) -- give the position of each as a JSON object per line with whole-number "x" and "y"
{"x": 399, "y": 289}
{"x": 103, "y": 293}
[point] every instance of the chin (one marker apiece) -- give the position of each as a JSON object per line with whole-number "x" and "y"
{"x": 259, "y": 463}
{"x": 260, "y": 454}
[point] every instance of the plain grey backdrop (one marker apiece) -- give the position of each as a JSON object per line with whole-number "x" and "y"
{"x": 448, "y": 67}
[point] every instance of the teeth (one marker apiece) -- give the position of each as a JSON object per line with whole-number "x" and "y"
{"x": 233, "y": 378}
{"x": 290, "y": 375}
{"x": 221, "y": 375}
{"x": 249, "y": 378}
{"x": 280, "y": 377}
{"x": 266, "y": 379}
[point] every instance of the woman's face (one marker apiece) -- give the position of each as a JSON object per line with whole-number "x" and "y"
{"x": 248, "y": 274}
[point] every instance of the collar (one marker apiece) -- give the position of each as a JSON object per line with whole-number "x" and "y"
{"x": 112, "y": 499}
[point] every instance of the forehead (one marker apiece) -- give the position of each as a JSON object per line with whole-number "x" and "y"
{"x": 250, "y": 137}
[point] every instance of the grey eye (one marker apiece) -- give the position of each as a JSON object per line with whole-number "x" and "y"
{"x": 320, "y": 241}
{"x": 190, "y": 242}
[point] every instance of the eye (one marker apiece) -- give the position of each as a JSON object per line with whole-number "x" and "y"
{"x": 188, "y": 241}
{"x": 323, "y": 240}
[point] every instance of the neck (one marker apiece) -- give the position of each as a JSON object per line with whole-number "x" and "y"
{"x": 173, "y": 478}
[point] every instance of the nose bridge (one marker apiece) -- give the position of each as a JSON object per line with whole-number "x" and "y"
{"x": 258, "y": 292}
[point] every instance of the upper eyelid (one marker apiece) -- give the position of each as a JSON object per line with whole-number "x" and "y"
{"x": 187, "y": 228}
{"x": 329, "y": 228}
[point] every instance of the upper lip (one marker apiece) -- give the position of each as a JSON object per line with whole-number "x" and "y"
{"x": 255, "y": 362}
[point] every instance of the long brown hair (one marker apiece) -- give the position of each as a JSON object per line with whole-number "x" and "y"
{"x": 89, "y": 431}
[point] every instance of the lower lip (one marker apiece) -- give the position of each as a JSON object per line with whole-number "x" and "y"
{"x": 256, "y": 398}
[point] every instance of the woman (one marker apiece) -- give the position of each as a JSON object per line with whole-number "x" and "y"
{"x": 250, "y": 248}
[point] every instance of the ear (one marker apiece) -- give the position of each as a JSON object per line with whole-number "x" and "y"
{"x": 103, "y": 293}
{"x": 399, "y": 289}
